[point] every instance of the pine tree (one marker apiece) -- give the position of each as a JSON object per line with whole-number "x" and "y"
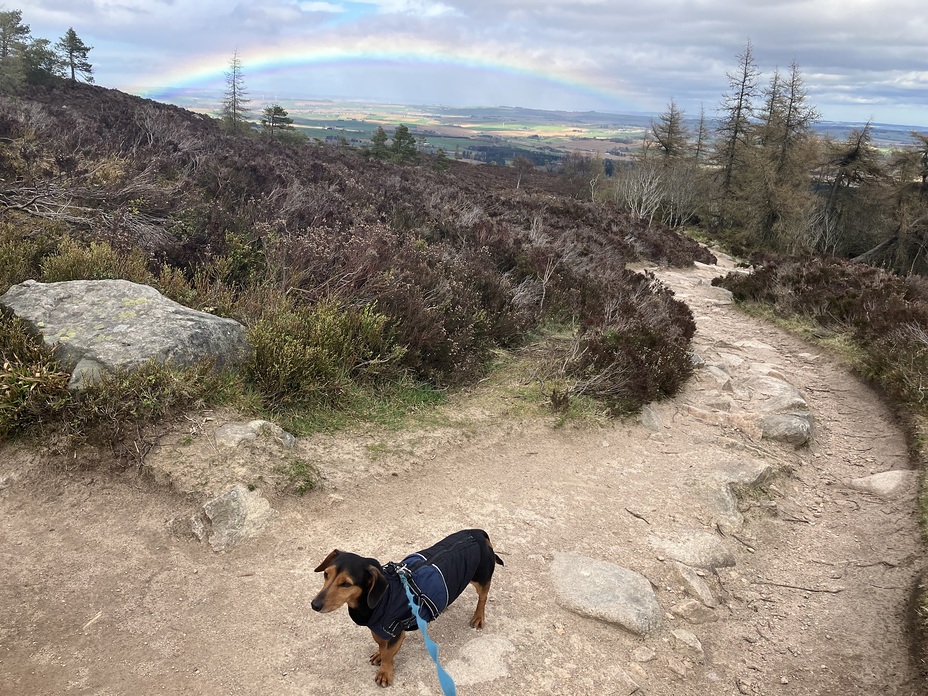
{"x": 41, "y": 63}
{"x": 670, "y": 132}
{"x": 379, "y": 144}
{"x": 13, "y": 33}
{"x": 403, "y": 148}
{"x": 234, "y": 110}
{"x": 274, "y": 119}
{"x": 73, "y": 54}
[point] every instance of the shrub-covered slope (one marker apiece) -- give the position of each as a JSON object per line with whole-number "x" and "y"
{"x": 346, "y": 270}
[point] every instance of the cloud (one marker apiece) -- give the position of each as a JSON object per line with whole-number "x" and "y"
{"x": 645, "y": 53}
{"x": 329, "y": 7}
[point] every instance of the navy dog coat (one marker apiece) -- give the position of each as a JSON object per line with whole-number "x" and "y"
{"x": 436, "y": 575}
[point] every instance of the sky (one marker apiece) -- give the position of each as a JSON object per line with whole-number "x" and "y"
{"x": 860, "y": 59}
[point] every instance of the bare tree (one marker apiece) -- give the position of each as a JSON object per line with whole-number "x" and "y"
{"x": 737, "y": 110}
{"x": 234, "y": 110}
{"x": 522, "y": 165}
{"x": 702, "y": 136}
{"x": 638, "y": 188}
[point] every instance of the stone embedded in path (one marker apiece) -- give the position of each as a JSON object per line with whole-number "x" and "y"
{"x": 235, "y": 515}
{"x": 696, "y": 549}
{"x": 650, "y": 419}
{"x": 695, "y": 612}
{"x": 694, "y": 585}
{"x": 234, "y": 434}
{"x": 886, "y": 483}
{"x": 792, "y": 428}
{"x": 776, "y": 395}
{"x": 720, "y": 491}
{"x": 605, "y": 591}
{"x": 481, "y": 660}
{"x": 690, "y": 643}
{"x": 100, "y": 326}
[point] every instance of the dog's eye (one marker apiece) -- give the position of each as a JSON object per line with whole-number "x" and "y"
{"x": 345, "y": 583}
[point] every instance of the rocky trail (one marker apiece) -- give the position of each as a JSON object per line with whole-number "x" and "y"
{"x": 695, "y": 550}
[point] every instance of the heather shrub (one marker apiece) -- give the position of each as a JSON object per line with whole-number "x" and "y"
{"x": 111, "y": 411}
{"x": 639, "y": 350}
{"x": 33, "y": 388}
{"x": 97, "y": 261}
{"x": 315, "y": 354}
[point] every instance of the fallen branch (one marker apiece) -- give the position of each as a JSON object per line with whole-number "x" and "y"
{"x": 635, "y": 514}
{"x": 825, "y": 590}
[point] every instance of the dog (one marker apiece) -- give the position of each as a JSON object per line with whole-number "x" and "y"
{"x": 376, "y": 598}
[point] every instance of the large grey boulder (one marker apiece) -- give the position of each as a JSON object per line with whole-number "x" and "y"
{"x": 98, "y": 326}
{"x": 605, "y": 591}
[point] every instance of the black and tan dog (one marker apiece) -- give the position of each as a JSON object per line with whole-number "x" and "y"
{"x": 375, "y": 596}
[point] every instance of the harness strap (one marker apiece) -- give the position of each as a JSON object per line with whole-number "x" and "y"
{"x": 444, "y": 679}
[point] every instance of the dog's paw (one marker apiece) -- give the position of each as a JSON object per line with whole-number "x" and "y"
{"x": 476, "y": 622}
{"x": 375, "y": 657}
{"x": 384, "y": 677}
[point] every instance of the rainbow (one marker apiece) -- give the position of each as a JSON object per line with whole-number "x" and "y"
{"x": 208, "y": 71}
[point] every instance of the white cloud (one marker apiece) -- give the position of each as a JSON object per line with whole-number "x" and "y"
{"x": 329, "y": 7}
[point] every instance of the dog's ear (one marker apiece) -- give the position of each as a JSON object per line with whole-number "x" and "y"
{"x": 328, "y": 561}
{"x": 376, "y": 587}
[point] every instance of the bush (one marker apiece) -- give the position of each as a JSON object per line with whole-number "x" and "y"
{"x": 98, "y": 261}
{"x": 639, "y": 352}
{"x": 315, "y": 354}
{"x": 111, "y": 410}
{"x": 33, "y": 388}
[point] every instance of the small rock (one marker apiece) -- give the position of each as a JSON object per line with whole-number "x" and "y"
{"x": 695, "y": 612}
{"x": 643, "y": 654}
{"x": 677, "y": 667}
{"x": 638, "y": 673}
{"x": 690, "y": 642}
{"x": 695, "y": 585}
{"x": 886, "y": 483}
{"x": 695, "y": 549}
{"x": 234, "y": 434}
{"x": 236, "y": 515}
{"x": 780, "y": 395}
{"x": 792, "y": 428}
{"x": 649, "y": 418}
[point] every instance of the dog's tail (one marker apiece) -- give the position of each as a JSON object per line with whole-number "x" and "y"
{"x": 499, "y": 561}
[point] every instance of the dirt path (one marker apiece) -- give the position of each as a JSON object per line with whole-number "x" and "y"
{"x": 100, "y": 598}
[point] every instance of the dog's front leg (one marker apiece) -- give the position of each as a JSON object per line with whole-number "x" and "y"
{"x": 383, "y": 656}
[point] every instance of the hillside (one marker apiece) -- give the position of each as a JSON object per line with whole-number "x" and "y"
{"x": 452, "y": 261}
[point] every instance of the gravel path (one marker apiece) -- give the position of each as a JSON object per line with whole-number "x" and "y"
{"x": 100, "y": 597}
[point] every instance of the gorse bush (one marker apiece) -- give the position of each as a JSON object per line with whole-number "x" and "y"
{"x": 315, "y": 354}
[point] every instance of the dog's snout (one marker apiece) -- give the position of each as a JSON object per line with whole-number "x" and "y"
{"x": 316, "y": 604}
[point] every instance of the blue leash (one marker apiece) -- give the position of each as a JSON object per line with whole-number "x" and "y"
{"x": 447, "y": 683}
